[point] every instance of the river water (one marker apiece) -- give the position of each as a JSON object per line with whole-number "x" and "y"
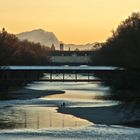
{"x": 38, "y": 119}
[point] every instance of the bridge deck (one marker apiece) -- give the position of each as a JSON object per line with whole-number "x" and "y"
{"x": 60, "y": 68}
{"x": 54, "y": 73}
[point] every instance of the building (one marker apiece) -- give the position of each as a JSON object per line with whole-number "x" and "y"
{"x": 61, "y": 46}
{"x": 71, "y": 57}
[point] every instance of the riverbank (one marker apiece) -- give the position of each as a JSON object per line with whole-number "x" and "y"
{"x": 107, "y": 115}
{"x": 24, "y": 94}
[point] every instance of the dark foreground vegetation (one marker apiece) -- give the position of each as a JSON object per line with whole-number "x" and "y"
{"x": 124, "y": 85}
{"x": 122, "y": 49}
{"x": 17, "y": 80}
{"x": 16, "y": 52}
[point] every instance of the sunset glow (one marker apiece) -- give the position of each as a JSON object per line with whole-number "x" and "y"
{"x": 73, "y": 21}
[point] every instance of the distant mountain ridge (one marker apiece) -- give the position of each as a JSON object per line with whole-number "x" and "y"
{"x": 39, "y": 35}
{"x": 48, "y": 38}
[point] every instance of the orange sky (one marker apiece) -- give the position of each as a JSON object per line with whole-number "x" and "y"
{"x": 73, "y": 21}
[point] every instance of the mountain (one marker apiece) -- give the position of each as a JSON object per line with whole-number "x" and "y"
{"x": 48, "y": 38}
{"x": 39, "y": 35}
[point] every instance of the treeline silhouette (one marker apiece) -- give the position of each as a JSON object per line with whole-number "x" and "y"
{"x": 16, "y": 52}
{"x": 123, "y": 47}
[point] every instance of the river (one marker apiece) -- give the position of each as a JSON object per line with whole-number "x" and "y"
{"x": 39, "y": 119}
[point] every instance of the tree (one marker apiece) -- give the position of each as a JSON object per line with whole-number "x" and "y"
{"x": 123, "y": 48}
{"x": 16, "y": 52}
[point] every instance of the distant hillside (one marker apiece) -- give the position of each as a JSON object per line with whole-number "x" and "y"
{"x": 48, "y": 38}
{"x": 40, "y": 35}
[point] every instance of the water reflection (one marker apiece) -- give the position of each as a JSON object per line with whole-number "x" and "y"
{"x": 37, "y": 117}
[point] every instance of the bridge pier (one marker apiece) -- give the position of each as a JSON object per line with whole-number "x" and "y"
{"x": 88, "y": 76}
{"x": 63, "y": 76}
{"x": 51, "y": 76}
{"x": 76, "y": 76}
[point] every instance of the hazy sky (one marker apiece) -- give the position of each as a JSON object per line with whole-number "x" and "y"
{"x": 73, "y": 21}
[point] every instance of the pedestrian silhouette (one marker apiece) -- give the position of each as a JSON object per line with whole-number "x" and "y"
{"x": 63, "y": 104}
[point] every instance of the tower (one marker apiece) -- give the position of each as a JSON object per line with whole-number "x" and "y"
{"x": 61, "y": 46}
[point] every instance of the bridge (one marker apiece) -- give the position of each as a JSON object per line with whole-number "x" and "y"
{"x": 54, "y": 73}
{"x": 71, "y": 57}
